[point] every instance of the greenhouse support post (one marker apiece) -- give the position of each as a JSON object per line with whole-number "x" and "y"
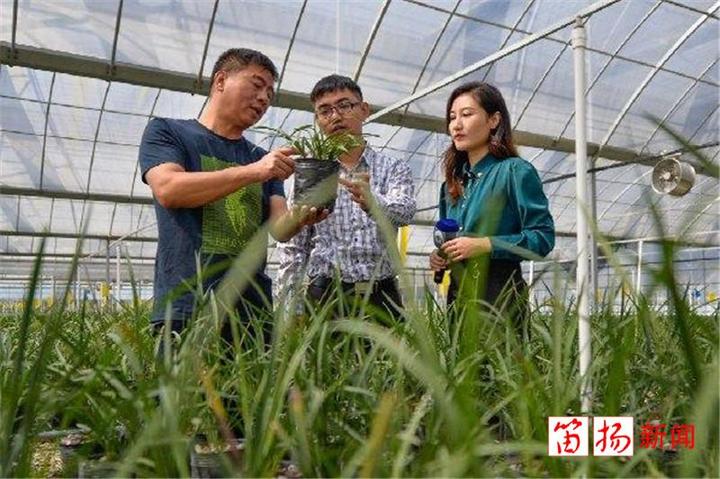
{"x": 531, "y": 281}
{"x": 582, "y": 274}
{"x": 107, "y": 261}
{"x": 105, "y": 288}
{"x": 77, "y": 289}
{"x": 117, "y": 274}
{"x": 593, "y": 241}
{"x": 638, "y": 279}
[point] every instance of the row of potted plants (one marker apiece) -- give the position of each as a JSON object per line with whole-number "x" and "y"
{"x": 84, "y": 458}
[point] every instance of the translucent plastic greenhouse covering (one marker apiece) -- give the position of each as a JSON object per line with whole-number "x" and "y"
{"x": 79, "y": 81}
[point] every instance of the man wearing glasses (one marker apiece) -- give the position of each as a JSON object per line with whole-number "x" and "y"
{"x": 349, "y": 246}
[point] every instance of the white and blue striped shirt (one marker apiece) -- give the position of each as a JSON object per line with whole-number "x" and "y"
{"x": 349, "y": 242}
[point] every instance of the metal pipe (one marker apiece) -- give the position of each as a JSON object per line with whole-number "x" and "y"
{"x": 648, "y": 78}
{"x": 502, "y": 53}
{"x": 539, "y": 83}
{"x": 371, "y": 39}
{"x": 95, "y": 142}
{"x": 45, "y": 129}
{"x": 116, "y": 35}
{"x": 610, "y": 59}
{"x": 677, "y": 104}
{"x": 434, "y": 47}
{"x": 207, "y": 44}
{"x": 13, "y": 36}
{"x": 638, "y": 281}
{"x": 531, "y": 280}
{"x": 514, "y": 29}
{"x": 105, "y": 293}
{"x": 579, "y": 39}
{"x": 77, "y": 290}
{"x": 647, "y": 160}
{"x": 117, "y": 274}
{"x": 290, "y": 47}
{"x": 691, "y": 8}
{"x": 593, "y": 241}
{"x": 107, "y": 261}
{"x": 48, "y": 234}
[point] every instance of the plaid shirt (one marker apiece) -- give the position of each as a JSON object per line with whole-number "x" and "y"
{"x": 349, "y": 240}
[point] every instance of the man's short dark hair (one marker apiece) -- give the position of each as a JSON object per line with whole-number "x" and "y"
{"x": 332, "y": 83}
{"x": 236, "y": 59}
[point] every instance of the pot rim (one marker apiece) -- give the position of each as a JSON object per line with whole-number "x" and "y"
{"x": 310, "y": 158}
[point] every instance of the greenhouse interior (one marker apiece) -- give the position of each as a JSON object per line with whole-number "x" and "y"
{"x": 81, "y": 80}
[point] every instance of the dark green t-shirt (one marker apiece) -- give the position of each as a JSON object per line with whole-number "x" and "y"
{"x": 215, "y": 232}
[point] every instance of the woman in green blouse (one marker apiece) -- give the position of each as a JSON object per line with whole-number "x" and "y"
{"x": 495, "y": 196}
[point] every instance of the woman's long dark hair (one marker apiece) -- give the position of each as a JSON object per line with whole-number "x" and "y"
{"x": 501, "y": 144}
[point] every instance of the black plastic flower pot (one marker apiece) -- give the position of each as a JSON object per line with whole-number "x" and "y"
{"x": 289, "y": 470}
{"x": 212, "y": 461}
{"x": 316, "y": 182}
{"x": 97, "y": 469}
{"x": 76, "y": 448}
{"x": 83, "y": 456}
{"x": 69, "y": 447}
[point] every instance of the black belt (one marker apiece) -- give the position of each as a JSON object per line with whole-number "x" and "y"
{"x": 501, "y": 271}
{"x": 359, "y": 287}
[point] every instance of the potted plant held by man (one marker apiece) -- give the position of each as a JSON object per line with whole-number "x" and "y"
{"x": 316, "y": 163}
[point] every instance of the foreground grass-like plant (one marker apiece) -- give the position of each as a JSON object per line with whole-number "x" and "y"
{"x": 353, "y": 397}
{"x": 437, "y": 394}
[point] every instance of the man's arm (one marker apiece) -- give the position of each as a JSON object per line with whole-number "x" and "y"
{"x": 286, "y": 223}
{"x": 398, "y": 204}
{"x": 293, "y": 254}
{"x": 173, "y": 187}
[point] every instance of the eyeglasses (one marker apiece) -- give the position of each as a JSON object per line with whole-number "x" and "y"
{"x": 342, "y": 108}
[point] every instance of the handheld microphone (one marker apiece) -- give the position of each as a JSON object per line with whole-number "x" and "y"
{"x": 445, "y": 230}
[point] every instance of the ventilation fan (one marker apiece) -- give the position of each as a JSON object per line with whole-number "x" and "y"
{"x": 673, "y": 177}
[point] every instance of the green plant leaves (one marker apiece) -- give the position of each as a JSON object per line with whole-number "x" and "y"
{"x": 311, "y": 142}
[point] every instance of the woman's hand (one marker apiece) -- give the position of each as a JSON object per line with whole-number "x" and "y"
{"x": 437, "y": 262}
{"x": 465, "y": 247}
